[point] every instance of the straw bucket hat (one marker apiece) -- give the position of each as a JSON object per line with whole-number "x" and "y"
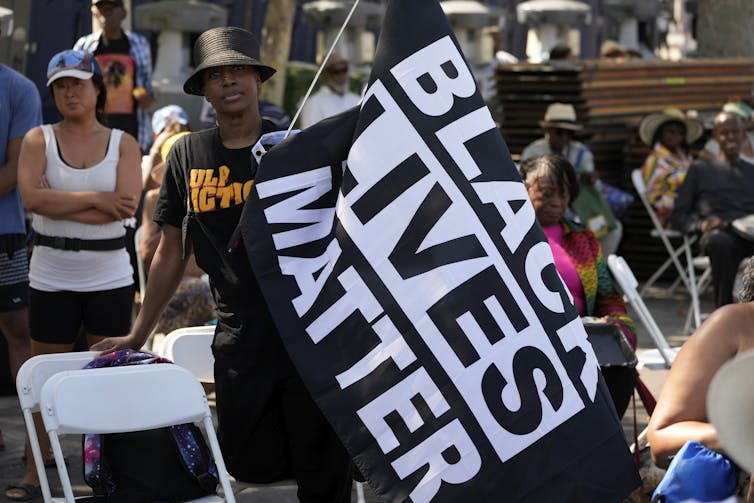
{"x": 649, "y": 125}
{"x": 561, "y": 116}
{"x": 224, "y": 46}
{"x": 730, "y": 408}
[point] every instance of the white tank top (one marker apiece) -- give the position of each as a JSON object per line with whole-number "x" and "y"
{"x": 51, "y": 269}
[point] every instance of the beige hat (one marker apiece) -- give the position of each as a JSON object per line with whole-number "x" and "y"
{"x": 561, "y": 116}
{"x": 730, "y": 408}
{"x": 650, "y": 123}
{"x": 612, "y": 49}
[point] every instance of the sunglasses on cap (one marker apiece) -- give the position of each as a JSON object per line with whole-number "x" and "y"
{"x": 70, "y": 63}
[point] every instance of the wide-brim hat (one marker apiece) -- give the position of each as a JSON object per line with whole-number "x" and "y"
{"x": 730, "y": 408}
{"x": 649, "y": 125}
{"x": 221, "y": 47}
{"x": 561, "y": 116}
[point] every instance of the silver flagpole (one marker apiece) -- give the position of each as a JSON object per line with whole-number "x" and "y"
{"x": 319, "y": 70}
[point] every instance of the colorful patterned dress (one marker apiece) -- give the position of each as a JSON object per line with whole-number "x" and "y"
{"x": 663, "y": 173}
{"x": 601, "y": 297}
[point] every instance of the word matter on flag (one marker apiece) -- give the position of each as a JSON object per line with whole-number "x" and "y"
{"x": 418, "y": 298}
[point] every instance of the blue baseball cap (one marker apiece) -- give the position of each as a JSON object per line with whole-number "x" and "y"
{"x": 162, "y": 115}
{"x": 70, "y": 63}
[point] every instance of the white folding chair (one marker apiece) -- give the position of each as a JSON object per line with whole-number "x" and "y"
{"x": 663, "y": 355}
{"x": 686, "y": 274}
{"x": 31, "y": 376}
{"x": 665, "y": 236}
{"x": 126, "y": 399}
{"x": 190, "y": 348}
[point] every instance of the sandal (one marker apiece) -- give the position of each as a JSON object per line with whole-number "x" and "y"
{"x": 32, "y": 492}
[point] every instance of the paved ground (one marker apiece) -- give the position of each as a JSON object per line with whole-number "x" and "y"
{"x": 668, "y": 310}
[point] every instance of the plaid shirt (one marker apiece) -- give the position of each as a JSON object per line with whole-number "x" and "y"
{"x": 142, "y": 56}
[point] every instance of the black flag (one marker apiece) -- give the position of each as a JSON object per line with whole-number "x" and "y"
{"x": 417, "y": 296}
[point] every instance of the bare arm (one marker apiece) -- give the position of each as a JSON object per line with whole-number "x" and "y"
{"x": 9, "y": 170}
{"x": 681, "y": 412}
{"x": 126, "y": 178}
{"x": 164, "y": 276}
{"x": 129, "y": 170}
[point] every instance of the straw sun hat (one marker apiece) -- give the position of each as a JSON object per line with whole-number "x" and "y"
{"x": 224, "y": 46}
{"x": 730, "y": 408}
{"x": 649, "y": 125}
{"x": 561, "y": 116}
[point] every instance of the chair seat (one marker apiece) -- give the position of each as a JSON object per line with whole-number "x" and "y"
{"x": 652, "y": 359}
{"x": 669, "y": 233}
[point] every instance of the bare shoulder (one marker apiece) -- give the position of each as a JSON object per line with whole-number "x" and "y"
{"x": 727, "y": 330}
{"x": 34, "y": 137}
{"x": 128, "y": 144}
{"x": 731, "y": 317}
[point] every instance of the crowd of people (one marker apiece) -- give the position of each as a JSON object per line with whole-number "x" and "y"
{"x": 83, "y": 178}
{"x": 88, "y": 188}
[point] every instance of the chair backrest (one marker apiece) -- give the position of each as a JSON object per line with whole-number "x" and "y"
{"x": 641, "y": 188}
{"x": 125, "y": 399}
{"x": 628, "y": 285}
{"x": 38, "y": 369}
{"x": 31, "y": 377}
{"x": 191, "y": 348}
{"x": 122, "y": 399}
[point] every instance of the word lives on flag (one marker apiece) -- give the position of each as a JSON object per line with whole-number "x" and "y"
{"x": 417, "y": 296}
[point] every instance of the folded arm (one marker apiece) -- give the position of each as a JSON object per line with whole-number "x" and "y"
{"x": 83, "y": 206}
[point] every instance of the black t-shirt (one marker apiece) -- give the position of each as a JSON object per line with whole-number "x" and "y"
{"x": 119, "y": 72}
{"x": 203, "y": 191}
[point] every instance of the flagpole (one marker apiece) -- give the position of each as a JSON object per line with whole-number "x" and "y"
{"x": 319, "y": 70}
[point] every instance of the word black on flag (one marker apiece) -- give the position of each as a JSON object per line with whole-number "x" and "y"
{"x": 417, "y": 296}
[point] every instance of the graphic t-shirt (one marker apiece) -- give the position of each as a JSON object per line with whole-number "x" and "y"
{"x": 119, "y": 71}
{"x": 203, "y": 192}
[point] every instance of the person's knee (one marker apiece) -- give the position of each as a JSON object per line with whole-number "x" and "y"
{"x": 15, "y": 326}
{"x": 717, "y": 241}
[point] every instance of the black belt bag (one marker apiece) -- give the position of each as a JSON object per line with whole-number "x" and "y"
{"x": 76, "y": 244}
